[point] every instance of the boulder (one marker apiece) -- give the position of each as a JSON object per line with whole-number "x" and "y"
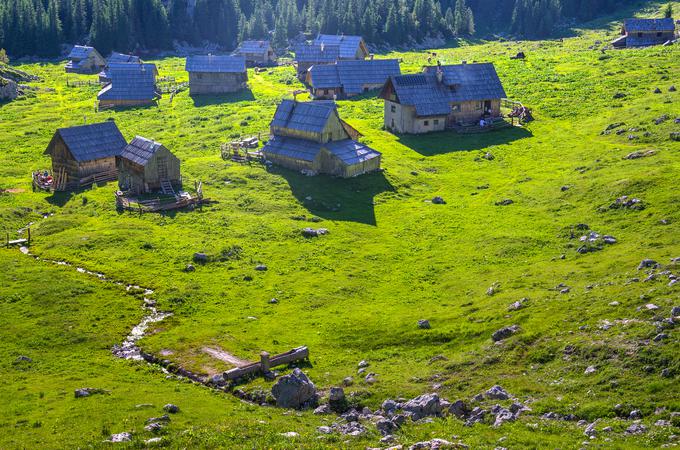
{"x": 460, "y": 409}
{"x": 590, "y": 370}
{"x": 647, "y": 263}
{"x": 438, "y": 201}
{"x": 502, "y": 415}
{"x": 86, "y": 392}
{"x": 311, "y": 232}
{"x": 190, "y": 268}
{"x": 261, "y": 268}
{"x": 172, "y": 409}
{"x": 504, "y": 333}
{"x": 337, "y": 400}
{"x": 121, "y": 437}
{"x": 497, "y": 393}
{"x": 424, "y": 324}
{"x": 294, "y": 391}
{"x": 636, "y": 428}
{"x": 323, "y": 409}
{"x": 426, "y": 405}
{"x": 200, "y": 258}
{"x": 477, "y": 415}
{"x": 23, "y": 358}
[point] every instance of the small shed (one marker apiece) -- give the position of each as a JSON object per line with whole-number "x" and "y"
{"x": 146, "y": 166}
{"x": 351, "y": 47}
{"x": 442, "y": 97}
{"x": 308, "y": 55}
{"x": 348, "y": 78}
{"x": 130, "y": 85}
{"x": 213, "y": 74}
{"x": 257, "y": 53}
{"x": 85, "y": 152}
{"x": 645, "y": 32}
{"x": 310, "y": 137}
{"x": 84, "y": 60}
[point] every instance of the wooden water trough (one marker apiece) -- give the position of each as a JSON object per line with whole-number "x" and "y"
{"x": 267, "y": 362}
{"x": 20, "y": 242}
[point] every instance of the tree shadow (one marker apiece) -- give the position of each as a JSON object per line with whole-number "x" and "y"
{"x": 449, "y": 141}
{"x": 245, "y": 95}
{"x": 342, "y": 199}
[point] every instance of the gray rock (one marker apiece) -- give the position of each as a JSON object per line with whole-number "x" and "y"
{"x": 438, "y": 201}
{"x": 477, "y": 415}
{"x": 261, "y": 268}
{"x": 325, "y": 430}
{"x": 172, "y": 409}
{"x": 121, "y": 437}
{"x": 154, "y": 440}
{"x": 386, "y": 427}
{"x": 504, "y": 333}
{"x": 424, "y": 324}
{"x": 590, "y": 430}
{"x": 425, "y": 405}
{"x": 323, "y": 409}
{"x": 666, "y": 373}
{"x": 459, "y": 409}
{"x": 675, "y": 312}
{"x": 352, "y": 429}
{"x": 434, "y": 444}
{"x": 294, "y": 391}
{"x": 337, "y": 394}
{"x": 371, "y": 378}
{"x": 362, "y": 364}
{"x": 200, "y": 258}
{"x": 311, "y": 232}
{"x": 389, "y": 406}
{"x": 590, "y": 370}
{"x": 86, "y": 392}
{"x": 505, "y": 202}
{"x": 154, "y": 427}
{"x": 348, "y": 381}
{"x": 489, "y": 156}
{"x": 636, "y": 428}
{"x": 502, "y": 415}
{"x": 23, "y": 358}
{"x": 660, "y": 337}
{"x": 497, "y": 393}
{"x": 647, "y": 263}
{"x": 635, "y": 414}
{"x": 190, "y": 268}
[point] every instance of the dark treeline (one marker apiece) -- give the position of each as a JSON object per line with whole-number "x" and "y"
{"x": 39, "y": 27}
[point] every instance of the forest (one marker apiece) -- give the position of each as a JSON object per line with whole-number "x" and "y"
{"x": 40, "y": 27}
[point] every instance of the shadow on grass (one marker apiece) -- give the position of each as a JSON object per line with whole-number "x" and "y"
{"x": 202, "y": 100}
{"x": 59, "y": 198}
{"x": 449, "y": 141}
{"x": 343, "y": 199}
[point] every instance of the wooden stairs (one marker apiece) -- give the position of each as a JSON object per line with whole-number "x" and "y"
{"x": 166, "y": 188}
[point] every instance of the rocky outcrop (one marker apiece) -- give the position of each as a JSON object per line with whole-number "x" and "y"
{"x": 295, "y": 391}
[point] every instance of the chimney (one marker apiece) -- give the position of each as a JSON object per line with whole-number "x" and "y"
{"x": 463, "y": 62}
{"x": 322, "y": 46}
{"x": 372, "y": 56}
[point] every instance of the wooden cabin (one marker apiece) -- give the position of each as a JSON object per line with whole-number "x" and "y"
{"x": 130, "y": 85}
{"x": 212, "y": 74}
{"x": 84, "y": 60}
{"x": 309, "y": 55}
{"x": 115, "y": 59}
{"x": 257, "y": 53}
{"x": 442, "y": 97}
{"x": 81, "y": 154}
{"x": 146, "y": 166}
{"x": 349, "y": 78}
{"x": 645, "y": 32}
{"x": 311, "y": 138}
{"x": 351, "y": 47}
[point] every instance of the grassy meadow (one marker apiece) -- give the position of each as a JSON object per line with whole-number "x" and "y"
{"x": 391, "y": 258}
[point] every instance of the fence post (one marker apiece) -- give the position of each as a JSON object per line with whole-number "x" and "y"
{"x": 264, "y": 362}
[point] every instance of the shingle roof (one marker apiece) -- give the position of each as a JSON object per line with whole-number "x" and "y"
{"x": 349, "y": 45}
{"x": 461, "y": 83}
{"x": 303, "y": 116}
{"x": 216, "y": 64}
{"x": 80, "y": 52}
{"x": 353, "y": 75}
{"x": 140, "y": 150}
{"x": 317, "y": 53}
{"x": 90, "y": 142}
{"x": 120, "y": 58}
{"x": 348, "y": 151}
{"x": 637, "y": 25}
{"x": 250, "y": 47}
{"x": 130, "y": 82}
{"x": 106, "y": 72}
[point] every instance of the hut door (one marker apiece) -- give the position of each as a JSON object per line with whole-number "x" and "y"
{"x": 162, "y": 168}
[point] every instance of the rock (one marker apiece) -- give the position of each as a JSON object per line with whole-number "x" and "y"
{"x": 651, "y": 307}
{"x": 647, "y": 263}
{"x": 362, "y": 364}
{"x": 337, "y": 400}
{"x": 675, "y": 312}
{"x": 590, "y": 370}
{"x": 672, "y": 89}
{"x": 311, "y": 232}
{"x": 565, "y": 188}
{"x": 502, "y": 415}
{"x": 348, "y": 381}
{"x": 190, "y": 268}
{"x": 172, "y": 409}
{"x": 614, "y": 303}
{"x": 635, "y": 414}
{"x": 636, "y": 428}
{"x": 657, "y": 91}
{"x": 505, "y": 202}
{"x": 660, "y": 337}
{"x": 386, "y": 427}
{"x": 154, "y": 427}
{"x": 504, "y": 333}
{"x": 274, "y": 301}
{"x": 121, "y": 437}
{"x": 424, "y": 324}
{"x": 625, "y": 202}
{"x": 86, "y": 392}
{"x": 425, "y": 405}
{"x": 640, "y": 154}
{"x": 371, "y": 378}
{"x": 323, "y": 409}
{"x": 154, "y": 440}
{"x": 590, "y": 430}
{"x": 488, "y": 156}
{"x": 518, "y": 304}
{"x": 666, "y": 373}
{"x": 459, "y": 409}
{"x": 261, "y": 268}
{"x": 294, "y": 391}
{"x": 675, "y": 136}
{"x": 435, "y": 444}
{"x": 497, "y": 393}
{"x": 438, "y": 201}
{"x": 200, "y": 258}
{"x": 23, "y": 358}
{"x": 619, "y": 95}
{"x": 353, "y": 429}
{"x": 324, "y": 429}
{"x": 476, "y": 416}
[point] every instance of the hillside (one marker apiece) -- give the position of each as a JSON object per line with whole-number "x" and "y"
{"x": 588, "y": 340}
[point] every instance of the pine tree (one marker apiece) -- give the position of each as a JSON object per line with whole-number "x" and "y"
{"x": 668, "y": 11}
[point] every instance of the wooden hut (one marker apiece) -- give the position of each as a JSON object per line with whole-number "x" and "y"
{"x": 85, "y": 154}
{"x": 310, "y": 137}
{"x": 130, "y": 85}
{"x": 349, "y": 78}
{"x": 443, "y": 97}
{"x": 351, "y": 47}
{"x": 212, "y": 74}
{"x": 84, "y": 60}
{"x": 146, "y": 166}
{"x": 115, "y": 59}
{"x": 257, "y": 53}
{"x": 308, "y": 55}
{"x": 645, "y": 32}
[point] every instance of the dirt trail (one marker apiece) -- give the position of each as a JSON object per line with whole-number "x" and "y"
{"x": 218, "y": 353}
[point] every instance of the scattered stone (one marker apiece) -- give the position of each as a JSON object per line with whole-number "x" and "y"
{"x": 323, "y": 409}
{"x": 371, "y": 378}
{"x": 290, "y": 434}
{"x": 274, "y": 301}
{"x": 477, "y": 415}
{"x": 324, "y": 429}
{"x": 661, "y": 119}
{"x": 518, "y": 304}
{"x": 154, "y": 427}
{"x": 565, "y": 188}
{"x": 424, "y": 324}
{"x": 200, "y": 258}
{"x": 190, "y": 268}
{"x": 660, "y": 337}
{"x": 294, "y": 391}
{"x": 348, "y": 381}
{"x": 121, "y": 437}
{"x": 505, "y": 202}
{"x": 619, "y": 95}
{"x": 261, "y": 268}
{"x": 613, "y": 126}
{"x": 172, "y": 409}
{"x": 648, "y": 263}
{"x": 435, "y": 444}
{"x": 23, "y": 358}
{"x": 438, "y": 201}
{"x": 504, "y": 333}
{"x": 590, "y": 370}
{"x": 362, "y": 364}
{"x": 426, "y": 405}
{"x": 635, "y": 414}
{"x": 502, "y": 415}
{"x": 651, "y": 307}
{"x": 86, "y": 392}
{"x": 636, "y": 428}
{"x": 590, "y": 430}
{"x": 311, "y": 232}
{"x": 154, "y": 440}
{"x": 614, "y": 303}
{"x": 627, "y": 203}
{"x": 488, "y": 156}
{"x": 672, "y": 89}
{"x": 675, "y": 312}
{"x": 657, "y": 91}
{"x": 497, "y": 393}
{"x": 459, "y": 409}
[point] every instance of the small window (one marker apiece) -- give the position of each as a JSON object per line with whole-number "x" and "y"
{"x": 436, "y": 121}
{"x": 426, "y": 123}
{"x": 366, "y": 89}
{"x": 393, "y": 108}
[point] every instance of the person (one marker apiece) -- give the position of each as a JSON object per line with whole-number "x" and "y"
{"x": 482, "y": 123}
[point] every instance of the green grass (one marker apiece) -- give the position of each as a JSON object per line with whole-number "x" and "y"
{"x": 391, "y": 258}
